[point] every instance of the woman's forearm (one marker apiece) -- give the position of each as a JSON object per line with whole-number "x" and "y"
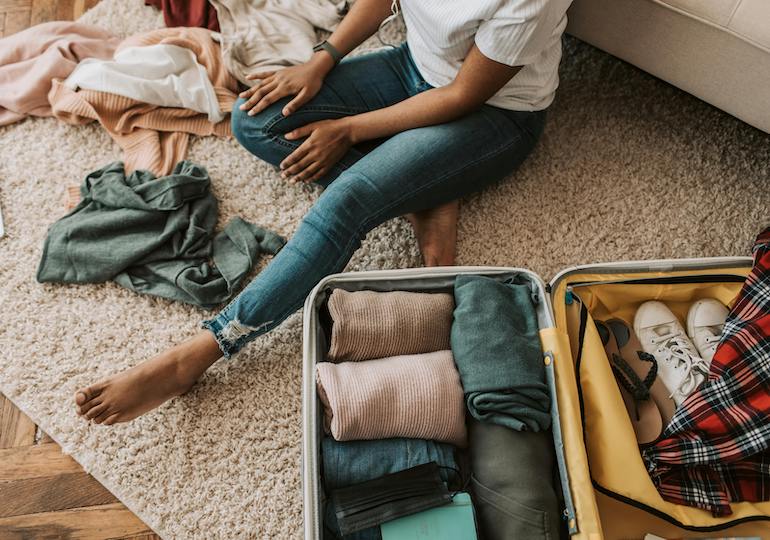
{"x": 435, "y": 106}
{"x": 362, "y": 21}
{"x": 478, "y": 80}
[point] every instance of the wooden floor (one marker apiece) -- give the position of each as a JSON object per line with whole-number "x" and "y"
{"x": 17, "y": 15}
{"x": 45, "y": 494}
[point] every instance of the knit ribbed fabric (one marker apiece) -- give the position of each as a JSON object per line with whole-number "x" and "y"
{"x": 369, "y": 324}
{"x": 414, "y": 396}
{"x": 153, "y": 138}
{"x": 30, "y": 59}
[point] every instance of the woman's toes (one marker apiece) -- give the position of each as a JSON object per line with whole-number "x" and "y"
{"x": 97, "y": 410}
{"x": 80, "y": 397}
{"x": 84, "y": 395}
{"x": 88, "y": 405}
{"x": 111, "y": 419}
{"x": 104, "y": 416}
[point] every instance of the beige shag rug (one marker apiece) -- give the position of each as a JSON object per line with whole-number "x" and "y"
{"x": 628, "y": 168}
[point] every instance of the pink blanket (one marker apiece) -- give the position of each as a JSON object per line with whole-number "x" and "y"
{"x": 415, "y": 396}
{"x": 30, "y": 59}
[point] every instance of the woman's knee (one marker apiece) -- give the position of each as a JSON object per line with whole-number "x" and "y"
{"x": 254, "y": 132}
{"x": 244, "y": 125}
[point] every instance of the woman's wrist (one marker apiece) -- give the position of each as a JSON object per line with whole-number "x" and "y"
{"x": 353, "y": 127}
{"x": 322, "y": 61}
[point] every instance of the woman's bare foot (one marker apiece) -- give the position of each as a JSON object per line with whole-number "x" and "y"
{"x": 436, "y": 231}
{"x": 129, "y": 394}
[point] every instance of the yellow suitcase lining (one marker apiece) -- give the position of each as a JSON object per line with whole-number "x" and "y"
{"x": 616, "y": 468}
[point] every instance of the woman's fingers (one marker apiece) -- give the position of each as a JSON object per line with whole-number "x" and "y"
{"x": 299, "y": 166}
{"x": 295, "y": 156}
{"x": 300, "y": 132}
{"x": 248, "y": 92}
{"x": 309, "y": 172}
{"x": 262, "y": 75}
{"x": 268, "y": 99}
{"x": 301, "y": 98}
{"x": 320, "y": 173}
{"x": 257, "y": 95}
{"x": 257, "y": 86}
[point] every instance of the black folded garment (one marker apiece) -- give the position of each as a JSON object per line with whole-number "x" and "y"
{"x": 371, "y": 503}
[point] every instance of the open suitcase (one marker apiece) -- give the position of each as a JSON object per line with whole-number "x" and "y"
{"x": 607, "y": 491}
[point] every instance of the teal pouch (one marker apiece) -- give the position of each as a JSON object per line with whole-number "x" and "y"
{"x": 453, "y": 521}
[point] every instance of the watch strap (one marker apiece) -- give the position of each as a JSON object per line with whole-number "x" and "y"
{"x": 331, "y": 49}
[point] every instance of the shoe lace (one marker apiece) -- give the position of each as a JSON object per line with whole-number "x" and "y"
{"x": 695, "y": 367}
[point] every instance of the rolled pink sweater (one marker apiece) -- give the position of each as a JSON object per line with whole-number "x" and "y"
{"x": 414, "y": 396}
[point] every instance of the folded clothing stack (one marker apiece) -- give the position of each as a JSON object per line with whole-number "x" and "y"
{"x": 496, "y": 343}
{"x": 512, "y": 483}
{"x": 417, "y": 396}
{"x": 401, "y": 380}
{"x": 393, "y": 379}
{"x": 390, "y": 391}
{"x": 353, "y": 462}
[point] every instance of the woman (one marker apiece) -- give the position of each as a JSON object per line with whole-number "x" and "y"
{"x": 407, "y": 130}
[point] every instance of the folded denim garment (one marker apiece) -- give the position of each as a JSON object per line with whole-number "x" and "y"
{"x": 415, "y": 396}
{"x": 496, "y": 346}
{"x": 353, "y": 462}
{"x": 512, "y": 482}
{"x": 369, "y": 324}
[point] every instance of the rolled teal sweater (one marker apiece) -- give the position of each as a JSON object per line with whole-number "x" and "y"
{"x": 496, "y": 346}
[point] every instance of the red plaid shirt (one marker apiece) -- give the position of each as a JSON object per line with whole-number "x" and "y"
{"x": 716, "y": 450}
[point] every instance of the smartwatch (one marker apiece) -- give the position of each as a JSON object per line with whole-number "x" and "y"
{"x": 331, "y": 49}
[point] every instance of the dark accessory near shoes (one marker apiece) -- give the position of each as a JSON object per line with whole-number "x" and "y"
{"x": 625, "y": 375}
{"x": 371, "y": 503}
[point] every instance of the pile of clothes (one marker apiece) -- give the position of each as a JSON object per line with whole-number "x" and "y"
{"x": 151, "y": 91}
{"x": 147, "y": 222}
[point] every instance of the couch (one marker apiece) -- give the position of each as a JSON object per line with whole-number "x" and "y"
{"x": 717, "y": 50}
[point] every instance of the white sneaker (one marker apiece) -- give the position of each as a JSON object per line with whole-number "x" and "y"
{"x": 705, "y": 323}
{"x": 661, "y": 335}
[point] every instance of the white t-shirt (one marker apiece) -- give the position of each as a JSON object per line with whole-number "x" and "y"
{"x": 513, "y": 32}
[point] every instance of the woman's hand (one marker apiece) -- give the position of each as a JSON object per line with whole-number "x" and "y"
{"x": 327, "y": 141}
{"x": 303, "y": 81}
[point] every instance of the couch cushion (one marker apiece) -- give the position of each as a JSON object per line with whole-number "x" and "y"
{"x": 752, "y": 21}
{"x": 716, "y": 11}
{"x": 746, "y": 18}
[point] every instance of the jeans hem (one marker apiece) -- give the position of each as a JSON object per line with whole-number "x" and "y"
{"x": 215, "y": 327}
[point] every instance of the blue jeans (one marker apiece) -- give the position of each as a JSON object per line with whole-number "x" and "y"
{"x": 414, "y": 170}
